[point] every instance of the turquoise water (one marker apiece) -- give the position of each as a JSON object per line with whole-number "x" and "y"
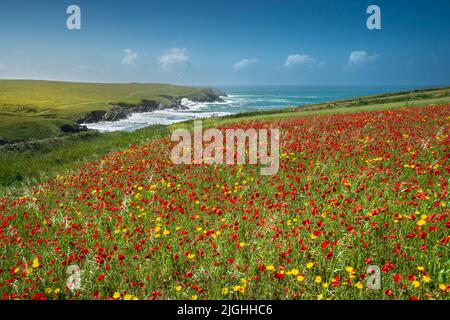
{"x": 250, "y": 98}
{"x": 247, "y": 98}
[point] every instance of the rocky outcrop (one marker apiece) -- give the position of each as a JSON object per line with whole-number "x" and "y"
{"x": 72, "y": 128}
{"x": 209, "y": 95}
{"x": 4, "y": 142}
{"x": 123, "y": 110}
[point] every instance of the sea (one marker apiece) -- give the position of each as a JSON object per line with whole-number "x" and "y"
{"x": 244, "y": 99}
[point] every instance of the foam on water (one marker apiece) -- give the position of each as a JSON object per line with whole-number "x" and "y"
{"x": 140, "y": 120}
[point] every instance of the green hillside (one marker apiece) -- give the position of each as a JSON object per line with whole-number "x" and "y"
{"x": 36, "y": 109}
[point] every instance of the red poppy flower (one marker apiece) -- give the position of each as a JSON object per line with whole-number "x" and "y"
{"x": 324, "y": 244}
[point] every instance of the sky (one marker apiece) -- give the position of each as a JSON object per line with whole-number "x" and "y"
{"x": 228, "y": 42}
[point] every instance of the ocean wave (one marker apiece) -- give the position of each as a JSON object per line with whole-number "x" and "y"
{"x": 140, "y": 120}
{"x": 194, "y": 105}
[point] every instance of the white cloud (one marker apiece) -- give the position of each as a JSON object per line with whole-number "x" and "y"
{"x": 130, "y": 57}
{"x": 359, "y": 58}
{"x": 244, "y": 63}
{"x": 302, "y": 60}
{"x": 173, "y": 57}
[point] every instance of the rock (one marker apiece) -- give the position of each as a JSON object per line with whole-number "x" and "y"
{"x": 3, "y": 142}
{"x": 94, "y": 116}
{"x": 75, "y": 128}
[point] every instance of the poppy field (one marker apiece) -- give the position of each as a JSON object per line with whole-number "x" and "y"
{"x": 353, "y": 190}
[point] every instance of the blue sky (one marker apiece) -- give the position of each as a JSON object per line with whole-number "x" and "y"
{"x": 232, "y": 42}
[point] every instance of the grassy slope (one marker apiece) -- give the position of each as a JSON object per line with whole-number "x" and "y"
{"x": 36, "y": 161}
{"x": 42, "y": 106}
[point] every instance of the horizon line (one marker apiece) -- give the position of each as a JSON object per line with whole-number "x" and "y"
{"x": 238, "y": 84}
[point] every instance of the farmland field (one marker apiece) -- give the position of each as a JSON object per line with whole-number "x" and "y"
{"x": 354, "y": 190}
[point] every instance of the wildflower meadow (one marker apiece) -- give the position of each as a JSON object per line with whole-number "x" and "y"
{"x": 353, "y": 191}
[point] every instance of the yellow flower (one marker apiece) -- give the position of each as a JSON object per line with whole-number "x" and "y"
{"x": 300, "y": 278}
{"x": 225, "y": 291}
{"x": 236, "y": 288}
{"x": 191, "y": 256}
{"x": 116, "y": 295}
{"x": 350, "y": 270}
{"x": 325, "y": 285}
{"x": 16, "y": 270}
{"x": 320, "y": 297}
{"x": 35, "y": 263}
{"x": 318, "y": 279}
{"x": 359, "y": 285}
{"x": 270, "y": 268}
{"x": 178, "y": 288}
{"x": 294, "y": 272}
{"x": 416, "y": 284}
{"x": 127, "y": 297}
{"x": 166, "y": 232}
{"x": 426, "y": 278}
{"x": 241, "y": 244}
{"x": 48, "y": 290}
{"x": 443, "y": 287}
{"x": 420, "y": 222}
{"x": 57, "y": 290}
{"x": 309, "y": 265}
{"x": 194, "y": 297}
{"x": 244, "y": 281}
{"x": 420, "y": 269}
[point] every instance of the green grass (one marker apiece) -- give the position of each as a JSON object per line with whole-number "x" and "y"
{"x": 42, "y": 106}
{"x": 68, "y": 98}
{"x": 15, "y": 127}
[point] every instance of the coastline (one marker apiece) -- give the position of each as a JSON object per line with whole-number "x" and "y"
{"x": 32, "y": 110}
{"x": 124, "y": 110}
